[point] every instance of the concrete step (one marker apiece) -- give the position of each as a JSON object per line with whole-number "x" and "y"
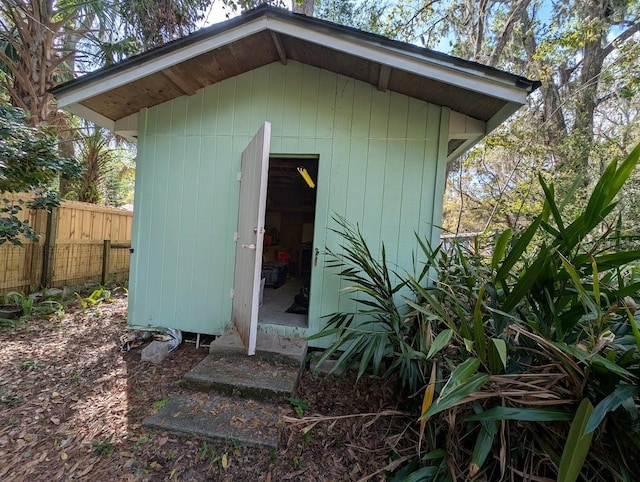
{"x": 271, "y": 374}
{"x": 213, "y": 417}
{"x": 269, "y": 347}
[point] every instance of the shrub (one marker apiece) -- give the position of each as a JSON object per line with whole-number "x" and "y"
{"x": 528, "y": 362}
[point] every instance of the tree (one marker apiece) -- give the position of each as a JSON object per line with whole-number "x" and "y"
{"x": 105, "y": 173}
{"x": 30, "y": 57}
{"x": 585, "y": 52}
{"x": 365, "y": 15}
{"x": 45, "y": 42}
{"x": 42, "y": 41}
{"x": 29, "y": 161}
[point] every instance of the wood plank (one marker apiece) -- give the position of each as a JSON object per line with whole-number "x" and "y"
{"x": 189, "y": 273}
{"x": 344, "y": 107}
{"x": 383, "y": 79}
{"x": 174, "y": 190}
{"x": 379, "y": 124}
{"x": 150, "y": 255}
{"x": 242, "y": 106}
{"x": 398, "y": 112}
{"x": 392, "y": 195}
{"x": 210, "y": 113}
{"x": 291, "y": 106}
{"x": 226, "y": 107}
{"x": 361, "y": 111}
{"x": 195, "y": 104}
{"x": 326, "y": 104}
{"x": 357, "y": 180}
{"x": 275, "y": 100}
{"x": 259, "y": 95}
{"x": 179, "y": 116}
{"x": 186, "y": 84}
{"x": 163, "y": 122}
{"x": 282, "y": 52}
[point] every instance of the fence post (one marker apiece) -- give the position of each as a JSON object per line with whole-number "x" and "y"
{"x": 48, "y": 255}
{"x": 106, "y": 254}
{"x": 37, "y": 249}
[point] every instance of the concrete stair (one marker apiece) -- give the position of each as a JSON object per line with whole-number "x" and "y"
{"x": 236, "y": 396}
{"x": 212, "y": 416}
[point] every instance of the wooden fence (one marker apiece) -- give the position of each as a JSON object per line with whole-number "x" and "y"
{"x": 79, "y": 243}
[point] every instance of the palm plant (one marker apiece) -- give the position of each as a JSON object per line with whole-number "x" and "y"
{"x": 378, "y": 329}
{"x": 98, "y": 158}
{"x": 508, "y": 350}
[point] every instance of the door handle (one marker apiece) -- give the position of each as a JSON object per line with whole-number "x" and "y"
{"x": 249, "y": 246}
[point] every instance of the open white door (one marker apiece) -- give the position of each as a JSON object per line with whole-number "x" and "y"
{"x": 250, "y": 236}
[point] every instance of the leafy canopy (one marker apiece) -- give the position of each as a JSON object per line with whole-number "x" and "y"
{"x": 29, "y": 161}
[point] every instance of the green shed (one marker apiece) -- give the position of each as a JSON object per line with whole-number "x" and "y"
{"x": 254, "y": 133}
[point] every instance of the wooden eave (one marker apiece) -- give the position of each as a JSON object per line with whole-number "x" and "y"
{"x": 267, "y": 34}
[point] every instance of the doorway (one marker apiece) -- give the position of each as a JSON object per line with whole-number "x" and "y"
{"x": 288, "y": 241}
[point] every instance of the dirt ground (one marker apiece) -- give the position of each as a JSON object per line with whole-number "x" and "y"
{"x": 72, "y": 407}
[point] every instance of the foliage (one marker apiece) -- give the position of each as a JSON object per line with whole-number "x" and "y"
{"x": 158, "y": 404}
{"x": 96, "y": 298}
{"x": 299, "y": 406}
{"x": 155, "y": 22}
{"x": 20, "y": 300}
{"x": 9, "y": 398}
{"x": 507, "y": 350}
{"x": 28, "y": 162}
{"x": 379, "y": 328}
{"x": 56, "y": 39}
{"x": 584, "y": 52}
{"x": 27, "y": 154}
{"x": 104, "y": 447}
{"x": 97, "y": 159}
{"x": 365, "y": 15}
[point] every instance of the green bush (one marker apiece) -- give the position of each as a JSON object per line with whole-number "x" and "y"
{"x": 527, "y": 363}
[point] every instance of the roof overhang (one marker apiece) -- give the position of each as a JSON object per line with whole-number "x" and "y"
{"x": 113, "y": 96}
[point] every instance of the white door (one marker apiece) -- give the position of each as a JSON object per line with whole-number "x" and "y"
{"x": 253, "y": 203}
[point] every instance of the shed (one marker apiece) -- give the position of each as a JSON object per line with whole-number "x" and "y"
{"x": 254, "y": 133}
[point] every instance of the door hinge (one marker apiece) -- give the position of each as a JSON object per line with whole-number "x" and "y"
{"x": 239, "y": 176}
{"x": 236, "y": 236}
{"x": 232, "y": 293}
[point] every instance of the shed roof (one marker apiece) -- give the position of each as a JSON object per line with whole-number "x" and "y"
{"x": 113, "y": 96}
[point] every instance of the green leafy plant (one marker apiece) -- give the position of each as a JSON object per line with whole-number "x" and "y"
{"x": 378, "y": 328}
{"x": 96, "y": 297}
{"x": 29, "y": 160}
{"x": 9, "y": 398}
{"x": 20, "y": 301}
{"x": 50, "y": 307}
{"x": 207, "y": 451}
{"x": 158, "y": 404}
{"x": 299, "y": 406}
{"x": 530, "y": 351}
{"x": 307, "y": 437}
{"x": 273, "y": 454}
{"x": 104, "y": 447}
{"x": 30, "y": 365}
{"x": 11, "y": 324}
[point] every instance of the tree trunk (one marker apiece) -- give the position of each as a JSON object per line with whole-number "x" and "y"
{"x": 304, "y": 7}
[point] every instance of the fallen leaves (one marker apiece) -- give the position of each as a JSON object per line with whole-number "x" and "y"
{"x": 77, "y": 413}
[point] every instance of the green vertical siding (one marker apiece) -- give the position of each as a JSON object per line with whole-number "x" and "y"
{"x": 382, "y": 160}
